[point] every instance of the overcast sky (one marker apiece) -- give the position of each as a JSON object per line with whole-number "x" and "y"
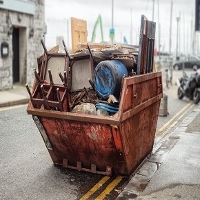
{"x": 58, "y": 14}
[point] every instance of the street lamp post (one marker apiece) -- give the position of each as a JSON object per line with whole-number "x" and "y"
{"x": 112, "y": 13}
{"x": 170, "y": 28}
{"x": 112, "y": 26}
{"x": 177, "y": 38}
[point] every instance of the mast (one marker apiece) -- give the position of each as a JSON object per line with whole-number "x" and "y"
{"x": 158, "y": 33}
{"x": 153, "y": 10}
{"x": 131, "y": 29}
{"x": 170, "y": 29}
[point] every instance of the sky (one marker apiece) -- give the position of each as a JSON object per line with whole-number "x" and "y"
{"x": 126, "y": 20}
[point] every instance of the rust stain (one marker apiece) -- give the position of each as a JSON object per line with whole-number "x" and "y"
{"x": 94, "y": 134}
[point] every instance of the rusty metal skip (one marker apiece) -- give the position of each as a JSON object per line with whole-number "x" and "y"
{"x": 116, "y": 143}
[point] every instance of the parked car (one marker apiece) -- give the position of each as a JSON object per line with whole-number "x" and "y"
{"x": 190, "y": 62}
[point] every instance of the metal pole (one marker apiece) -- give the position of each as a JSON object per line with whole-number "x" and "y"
{"x": 159, "y": 30}
{"x": 170, "y": 29}
{"x": 131, "y": 28}
{"x": 177, "y": 39}
{"x": 153, "y": 10}
{"x": 68, "y": 36}
{"x": 112, "y": 19}
{"x": 197, "y": 43}
{"x": 112, "y": 13}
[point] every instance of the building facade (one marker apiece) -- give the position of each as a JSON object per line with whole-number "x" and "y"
{"x": 21, "y": 30}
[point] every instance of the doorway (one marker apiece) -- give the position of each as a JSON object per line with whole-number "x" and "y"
{"x": 15, "y": 48}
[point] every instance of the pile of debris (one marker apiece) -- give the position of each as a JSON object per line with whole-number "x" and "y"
{"x": 88, "y": 81}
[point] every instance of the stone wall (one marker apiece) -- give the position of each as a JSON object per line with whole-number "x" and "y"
{"x": 31, "y": 31}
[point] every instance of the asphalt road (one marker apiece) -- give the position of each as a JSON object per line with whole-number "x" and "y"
{"x": 27, "y": 171}
{"x": 26, "y": 168}
{"x": 174, "y": 105}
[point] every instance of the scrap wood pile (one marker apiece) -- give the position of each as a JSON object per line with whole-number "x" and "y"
{"x": 88, "y": 81}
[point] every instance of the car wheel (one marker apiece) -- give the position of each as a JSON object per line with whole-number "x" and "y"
{"x": 196, "y": 96}
{"x": 176, "y": 67}
{"x": 180, "y": 93}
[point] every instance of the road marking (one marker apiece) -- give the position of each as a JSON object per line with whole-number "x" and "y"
{"x": 11, "y": 107}
{"x": 175, "y": 122}
{"x": 177, "y": 114}
{"x": 116, "y": 181}
{"x": 95, "y": 188}
{"x": 109, "y": 188}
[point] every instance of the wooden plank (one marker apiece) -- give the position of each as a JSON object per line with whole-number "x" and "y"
{"x": 94, "y": 45}
{"x": 78, "y": 32}
{"x": 146, "y": 46}
{"x": 142, "y": 43}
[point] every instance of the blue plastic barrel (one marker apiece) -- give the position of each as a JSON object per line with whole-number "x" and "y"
{"x": 108, "y": 77}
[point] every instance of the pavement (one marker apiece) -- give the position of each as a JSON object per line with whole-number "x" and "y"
{"x": 173, "y": 169}
{"x": 15, "y": 96}
{"x": 171, "y": 172}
